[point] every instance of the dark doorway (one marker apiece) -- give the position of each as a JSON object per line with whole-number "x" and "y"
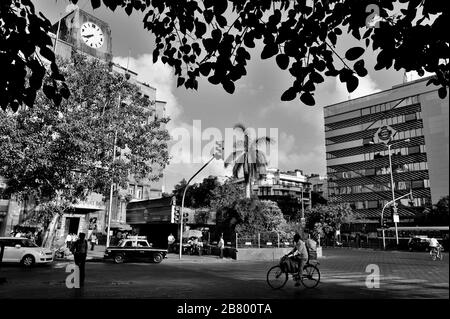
{"x": 72, "y": 224}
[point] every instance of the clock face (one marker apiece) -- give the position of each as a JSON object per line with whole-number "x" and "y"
{"x": 92, "y": 35}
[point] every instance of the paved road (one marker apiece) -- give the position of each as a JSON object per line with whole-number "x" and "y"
{"x": 402, "y": 275}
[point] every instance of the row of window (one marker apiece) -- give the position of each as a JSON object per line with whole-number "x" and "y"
{"x": 137, "y": 192}
{"x": 371, "y": 109}
{"x": 399, "y": 136}
{"x": 421, "y": 166}
{"x": 379, "y": 187}
{"x": 415, "y": 149}
{"x": 379, "y": 204}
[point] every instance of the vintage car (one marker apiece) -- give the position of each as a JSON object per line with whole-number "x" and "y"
{"x": 135, "y": 248}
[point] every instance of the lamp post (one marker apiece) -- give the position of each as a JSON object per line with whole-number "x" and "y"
{"x": 112, "y": 186}
{"x": 392, "y": 186}
{"x": 218, "y": 154}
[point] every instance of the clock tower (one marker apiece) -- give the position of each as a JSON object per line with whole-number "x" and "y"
{"x": 86, "y": 33}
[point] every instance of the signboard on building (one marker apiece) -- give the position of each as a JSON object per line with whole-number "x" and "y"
{"x": 149, "y": 211}
{"x": 384, "y": 134}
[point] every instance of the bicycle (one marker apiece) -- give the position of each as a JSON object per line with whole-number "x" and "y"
{"x": 277, "y": 277}
{"x": 436, "y": 253}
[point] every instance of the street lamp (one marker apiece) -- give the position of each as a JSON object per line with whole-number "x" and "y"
{"x": 218, "y": 154}
{"x": 111, "y": 188}
{"x": 392, "y": 184}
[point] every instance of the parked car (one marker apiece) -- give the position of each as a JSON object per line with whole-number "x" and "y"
{"x": 24, "y": 251}
{"x": 135, "y": 248}
{"x": 418, "y": 244}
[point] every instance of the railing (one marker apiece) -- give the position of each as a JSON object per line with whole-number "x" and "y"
{"x": 262, "y": 240}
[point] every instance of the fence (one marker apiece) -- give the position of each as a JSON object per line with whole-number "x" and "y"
{"x": 262, "y": 240}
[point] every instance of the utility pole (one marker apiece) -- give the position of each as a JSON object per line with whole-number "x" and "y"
{"x": 217, "y": 155}
{"x": 112, "y": 184}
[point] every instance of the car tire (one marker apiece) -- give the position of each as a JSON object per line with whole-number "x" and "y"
{"x": 119, "y": 258}
{"x": 157, "y": 258}
{"x": 27, "y": 261}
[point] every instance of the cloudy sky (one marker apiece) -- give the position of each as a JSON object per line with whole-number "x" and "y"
{"x": 256, "y": 102}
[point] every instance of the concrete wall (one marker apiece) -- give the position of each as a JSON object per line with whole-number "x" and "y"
{"x": 435, "y": 113}
{"x": 269, "y": 254}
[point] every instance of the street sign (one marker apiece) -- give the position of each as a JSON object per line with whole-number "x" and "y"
{"x": 384, "y": 134}
{"x": 396, "y": 218}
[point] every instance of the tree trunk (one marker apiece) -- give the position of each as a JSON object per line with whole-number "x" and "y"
{"x": 49, "y": 234}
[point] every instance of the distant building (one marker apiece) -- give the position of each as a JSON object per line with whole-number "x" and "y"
{"x": 319, "y": 184}
{"x": 416, "y": 122}
{"x": 291, "y": 190}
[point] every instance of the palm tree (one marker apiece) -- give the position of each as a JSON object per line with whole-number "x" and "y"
{"x": 248, "y": 158}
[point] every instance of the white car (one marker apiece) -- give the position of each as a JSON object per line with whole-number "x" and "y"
{"x": 24, "y": 251}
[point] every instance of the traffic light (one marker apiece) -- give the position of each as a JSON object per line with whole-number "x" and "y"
{"x": 218, "y": 152}
{"x": 176, "y": 214}
{"x": 185, "y": 217}
{"x": 384, "y": 223}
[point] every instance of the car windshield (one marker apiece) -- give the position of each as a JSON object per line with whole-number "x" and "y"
{"x": 26, "y": 243}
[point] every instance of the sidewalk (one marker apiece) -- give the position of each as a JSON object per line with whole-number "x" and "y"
{"x": 96, "y": 255}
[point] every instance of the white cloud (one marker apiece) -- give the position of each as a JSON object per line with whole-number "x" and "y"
{"x": 157, "y": 75}
{"x": 413, "y": 75}
{"x": 184, "y": 162}
{"x": 366, "y": 86}
{"x": 292, "y": 155}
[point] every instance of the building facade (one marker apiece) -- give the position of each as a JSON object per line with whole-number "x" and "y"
{"x": 291, "y": 190}
{"x": 84, "y": 33}
{"x": 319, "y": 184}
{"x": 412, "y": 122}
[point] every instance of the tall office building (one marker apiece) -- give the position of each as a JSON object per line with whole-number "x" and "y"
{"x": 413, "y": 122}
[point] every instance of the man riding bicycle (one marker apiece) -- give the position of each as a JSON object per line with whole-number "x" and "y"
{"x": 434, "y": 246}
{"x": 299, "y": 254}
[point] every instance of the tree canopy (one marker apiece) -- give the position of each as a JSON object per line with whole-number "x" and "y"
{"x": 213, "y": 39}
{"x": 68, "y": 151}
{"x": 198, "y": 195}
{"x": 325, "y": 220}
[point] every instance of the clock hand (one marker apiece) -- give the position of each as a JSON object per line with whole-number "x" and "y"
{"x": 88, "y": 36}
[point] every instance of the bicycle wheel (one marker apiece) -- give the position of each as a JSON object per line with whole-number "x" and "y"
{"x": 276, "y": 277}
{"x": 311, "y": 276}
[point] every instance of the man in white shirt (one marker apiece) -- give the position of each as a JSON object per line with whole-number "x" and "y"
{"x": 68, "y": 241}
{"x": 170, "y": 242}
{"x": 434, "y": 245}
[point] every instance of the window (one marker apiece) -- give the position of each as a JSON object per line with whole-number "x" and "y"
{"x": 131, "y": 189}
{"x": 413, "y": 149}
{"x": 417, "y": 184}
{"x": 142, "y": 244}
{"x": 128, "y": 244}
{"x": 139, "y": 192}
{"x": 410, "y": 117}
{"x": 367, "y": 140}
{"x": 372, "y": 204}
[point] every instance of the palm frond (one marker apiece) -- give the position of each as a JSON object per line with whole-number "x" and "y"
{"x": 241, "y": 127}
{"x": 264, "y": 139}
{"x": 236, "y": 168}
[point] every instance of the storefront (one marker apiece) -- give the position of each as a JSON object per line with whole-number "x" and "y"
{"x": 153, "y": 218}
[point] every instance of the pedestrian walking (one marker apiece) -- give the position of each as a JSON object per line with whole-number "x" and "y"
{"x": 93, "y": 240}
{"x": 79, "y": 251}
{"x": 68, "y": 241}
{"x": 170, "y": 242}
{"x": 221, "y": 246}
